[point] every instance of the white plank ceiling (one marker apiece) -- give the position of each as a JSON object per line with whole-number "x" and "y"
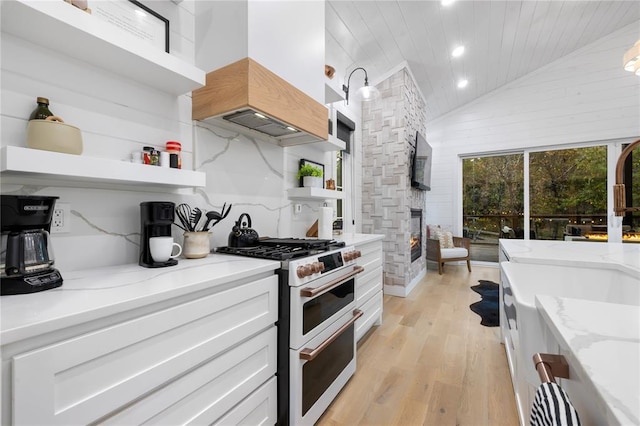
{"x": 503, "y": 40}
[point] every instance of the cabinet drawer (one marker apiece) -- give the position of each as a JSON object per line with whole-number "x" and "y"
{"x": 207, "y": 392}
{"x": 260, "y": 408}
{"x": 371, "y": 255}
{"x": 372, "y": 313}
{"x": 367, "y": 283}
{"x": 93, "y": 376}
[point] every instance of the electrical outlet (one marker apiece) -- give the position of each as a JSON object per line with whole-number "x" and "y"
{"x": 61, "y": 219}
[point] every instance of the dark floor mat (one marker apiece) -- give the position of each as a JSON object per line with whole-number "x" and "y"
{"x": 487, "y": 308}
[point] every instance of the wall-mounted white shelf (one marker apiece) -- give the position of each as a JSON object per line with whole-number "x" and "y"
{"x": 83, "y": 171}
{"x": 332, "y": 91}
{"x": 332, "y": 144}
{"x": 59, "y": 26}
{"x": 307, "y": 193}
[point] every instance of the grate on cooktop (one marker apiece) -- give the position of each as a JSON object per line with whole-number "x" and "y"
{"x": 266, "y": 252}
{"x": 282, "y": 248}
{"x": 301, "y": 242}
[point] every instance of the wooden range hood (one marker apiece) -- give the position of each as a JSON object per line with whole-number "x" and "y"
{"x": 236, "y": 92}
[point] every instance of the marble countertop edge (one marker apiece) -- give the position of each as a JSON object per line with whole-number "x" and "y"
{"x": 567, "y": 321}
{"x": 96, "y": 293}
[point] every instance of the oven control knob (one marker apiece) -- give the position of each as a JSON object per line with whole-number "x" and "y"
{"x": 321, "y": 266}
{"x": 304, "y": 271}
{"x": 358, "y": 254}
{"x": 317, "y": 267}
{"x": 348, "y": 256}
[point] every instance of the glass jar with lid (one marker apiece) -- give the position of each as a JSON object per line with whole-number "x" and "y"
{"x": 174, "y": 147}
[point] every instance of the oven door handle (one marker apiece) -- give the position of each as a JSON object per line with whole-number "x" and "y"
{"x": 310, "y": 291}
{"x": 310, "y": 354}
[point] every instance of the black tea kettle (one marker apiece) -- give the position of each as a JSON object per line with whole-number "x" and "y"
{"x": 241, "y": 234}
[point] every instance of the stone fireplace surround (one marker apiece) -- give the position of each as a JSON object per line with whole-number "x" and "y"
{"x": 389, "y": 126}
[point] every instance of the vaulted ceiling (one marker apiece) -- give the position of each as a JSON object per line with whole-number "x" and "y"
{"x": 503, "y": 40}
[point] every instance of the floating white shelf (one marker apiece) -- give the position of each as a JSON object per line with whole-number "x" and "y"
{"x": 82, "y": 171}
{"x": 306, "y": 193}
{"x": 332, "y": 144}
{"x": 59, "y": 26}
{"x": 332, "y": 91}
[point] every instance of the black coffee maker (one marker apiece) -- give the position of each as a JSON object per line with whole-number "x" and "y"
{"x": 156, "y": 218}
{"x": 26, "y": 259}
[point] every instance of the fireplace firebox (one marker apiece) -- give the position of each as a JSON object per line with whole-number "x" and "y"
{"x": 416, "y": 234}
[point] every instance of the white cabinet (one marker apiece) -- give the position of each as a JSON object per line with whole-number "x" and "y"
{"x": 195, "y": 361}
{"x": 369, "y": 286}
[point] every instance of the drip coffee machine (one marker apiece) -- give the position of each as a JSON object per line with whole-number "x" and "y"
{"x": 26, "y": 259}
{"x": 156, "y": 218}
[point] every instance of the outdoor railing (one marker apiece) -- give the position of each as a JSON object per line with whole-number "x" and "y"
{"x": 487, "y": 229}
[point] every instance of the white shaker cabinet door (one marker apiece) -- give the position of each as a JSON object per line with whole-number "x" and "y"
{"x": 369, "y": 286}
{"x": 206, "y": 393}
{"x": 260, "y": 408}
{"x": 96, "y": 375}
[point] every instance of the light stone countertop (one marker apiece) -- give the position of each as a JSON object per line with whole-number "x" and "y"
{"x": 96, "y": 293}
{"x": 603, "y": 349}
{"x": 601, "y": 339}
{"x": 352, "y": 239}
{"x": 624, "y": 257}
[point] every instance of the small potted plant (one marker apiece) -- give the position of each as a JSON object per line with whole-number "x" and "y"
{"x": 311, "y": 175}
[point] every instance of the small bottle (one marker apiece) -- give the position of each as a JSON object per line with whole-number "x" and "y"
{"x": 155, "y": 157}
{"x": 146, "y": 154}
{"x": 174, "y": 147}
{"x": 42, "y": 110}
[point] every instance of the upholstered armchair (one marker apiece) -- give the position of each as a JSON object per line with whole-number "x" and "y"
{"x": 443, "y": 247}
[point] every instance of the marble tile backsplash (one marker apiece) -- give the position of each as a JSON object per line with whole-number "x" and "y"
{"x": 248, "y": 173}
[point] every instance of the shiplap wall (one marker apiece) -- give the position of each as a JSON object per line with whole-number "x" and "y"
{"x": 585, "y": 96}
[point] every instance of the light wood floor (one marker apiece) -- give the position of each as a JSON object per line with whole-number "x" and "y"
{"x": 430, "y": 362}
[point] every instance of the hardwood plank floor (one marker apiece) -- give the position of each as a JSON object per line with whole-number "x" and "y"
{"x": 430, "y": 362}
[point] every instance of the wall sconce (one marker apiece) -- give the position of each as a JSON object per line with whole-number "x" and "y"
{"x": 632, "y": 59}
{"x": 366, "y": 92}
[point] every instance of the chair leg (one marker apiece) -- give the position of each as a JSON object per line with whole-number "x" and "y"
{"x": 440, "y": 267}
{"x": 468, "y": 265}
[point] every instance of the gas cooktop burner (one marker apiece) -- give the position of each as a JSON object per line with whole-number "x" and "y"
{"x": 283, "y": 248}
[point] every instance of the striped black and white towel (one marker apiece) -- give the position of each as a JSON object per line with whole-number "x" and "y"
{"x": 551, "y": 407}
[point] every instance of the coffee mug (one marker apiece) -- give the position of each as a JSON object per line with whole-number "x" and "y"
{"x": 162, "y": 247}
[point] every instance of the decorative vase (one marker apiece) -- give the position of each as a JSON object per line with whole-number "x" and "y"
{"x": 196, "y": 244}
{"x": 312, "y": 181}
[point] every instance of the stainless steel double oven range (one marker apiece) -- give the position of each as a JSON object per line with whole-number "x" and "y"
{"x": 316, "y": 322}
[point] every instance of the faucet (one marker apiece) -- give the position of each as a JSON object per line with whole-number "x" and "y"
{"x": 619, "y": 201}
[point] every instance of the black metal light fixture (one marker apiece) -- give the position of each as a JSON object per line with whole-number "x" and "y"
{"x": 366, "y": 92}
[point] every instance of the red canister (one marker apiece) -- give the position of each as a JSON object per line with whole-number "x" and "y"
{"x": 174, "y": 147}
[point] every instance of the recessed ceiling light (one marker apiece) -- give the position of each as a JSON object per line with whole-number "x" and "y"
{"x": 462, "y": 84}
{"x": 446, "y": 2}
{"x": 458, "y": 51}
